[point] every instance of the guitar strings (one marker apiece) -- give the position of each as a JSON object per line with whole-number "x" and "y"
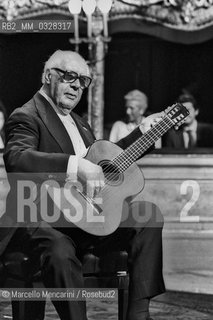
{"x": 137, "y": 147}
{"x": 122, "y": 164}
{"x": 134, "y": 151}
{"x": 131, "y": 154}
{"x": 156, "y": 132}
{"x": 128, "y": 156}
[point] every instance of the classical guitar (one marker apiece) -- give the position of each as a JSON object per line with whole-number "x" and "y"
{"x": 123, "y": 178}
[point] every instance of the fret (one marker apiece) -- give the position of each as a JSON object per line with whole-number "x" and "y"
{"x": 173, "y": 115}
{"x": 124, "y": 160}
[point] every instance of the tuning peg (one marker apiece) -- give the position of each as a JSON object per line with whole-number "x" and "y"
{"x": 168, "y": 109}
{"x": 179, "y": 124}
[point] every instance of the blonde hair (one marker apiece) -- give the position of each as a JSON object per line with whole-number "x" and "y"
{"x": 139, "y": 96}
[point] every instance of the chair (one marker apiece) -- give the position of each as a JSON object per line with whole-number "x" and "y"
{"x": 106, "y": 271}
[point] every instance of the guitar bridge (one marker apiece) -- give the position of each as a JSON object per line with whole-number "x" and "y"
{"x": 91, "y": 202}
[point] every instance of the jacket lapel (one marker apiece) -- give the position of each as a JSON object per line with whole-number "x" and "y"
{"x": 84, "y": 130}
{"x": 180, "y": 139}
{"x": 53, "y": 123}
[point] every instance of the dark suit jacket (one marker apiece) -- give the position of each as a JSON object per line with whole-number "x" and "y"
{"x": 174, "y": 138}
{"x": 38, "y": 147}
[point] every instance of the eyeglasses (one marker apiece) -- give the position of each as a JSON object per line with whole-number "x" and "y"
{"x": 71, "y": 76}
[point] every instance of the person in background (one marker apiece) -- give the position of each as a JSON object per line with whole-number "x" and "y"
{"x": 136, "y": 104}
{"x": 2, "y": 122}
{"x": 192, "y": 134}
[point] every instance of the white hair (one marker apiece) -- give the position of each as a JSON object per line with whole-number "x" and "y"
{"x": 58, "y": 58}
{"x": 139, "y": 96}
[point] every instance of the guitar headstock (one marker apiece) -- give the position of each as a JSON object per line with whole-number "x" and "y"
{"x": 177, "y": 113}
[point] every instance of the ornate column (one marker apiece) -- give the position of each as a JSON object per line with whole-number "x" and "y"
{"x": 97, "y": 36}
{"x": 97, "y": 51}
{"x": 96, "y": 91}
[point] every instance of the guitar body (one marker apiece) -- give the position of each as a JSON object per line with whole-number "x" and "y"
{"x": 103, "y": 214}
{"x": 109, "y": 201}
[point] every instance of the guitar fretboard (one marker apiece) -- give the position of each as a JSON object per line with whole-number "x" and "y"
{"x": 128, "y": 156}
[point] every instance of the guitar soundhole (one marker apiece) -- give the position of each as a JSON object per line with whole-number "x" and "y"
{"x": 111, "y": 172}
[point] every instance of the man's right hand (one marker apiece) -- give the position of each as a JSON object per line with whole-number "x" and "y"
{"x": 91, "y": 175}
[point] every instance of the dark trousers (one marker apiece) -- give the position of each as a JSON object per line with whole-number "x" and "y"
{"x": 57, "y": 253}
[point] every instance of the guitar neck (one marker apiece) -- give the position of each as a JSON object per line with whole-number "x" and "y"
{"x": 128, "y": 156}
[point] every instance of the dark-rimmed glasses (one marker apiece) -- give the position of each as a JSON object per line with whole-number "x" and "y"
{"x": 71, "y": 76}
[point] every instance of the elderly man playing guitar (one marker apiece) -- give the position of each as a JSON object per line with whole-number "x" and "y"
{"x": 47, "y": 141}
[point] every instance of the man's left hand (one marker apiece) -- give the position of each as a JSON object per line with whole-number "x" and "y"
{"x": 150, "y": 121}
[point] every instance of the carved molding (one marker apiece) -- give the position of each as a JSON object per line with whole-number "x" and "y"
{"x": 179, "y": 14}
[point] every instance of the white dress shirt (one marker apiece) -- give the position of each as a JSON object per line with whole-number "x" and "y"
{"x": 75, "y": 137}
{"x": 1, "y": 143}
